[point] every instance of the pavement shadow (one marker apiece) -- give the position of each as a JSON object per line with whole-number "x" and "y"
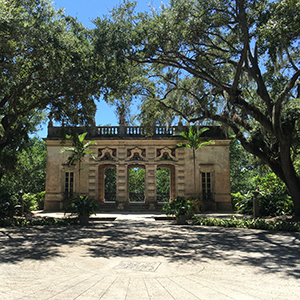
{"x": 271, "y": 251}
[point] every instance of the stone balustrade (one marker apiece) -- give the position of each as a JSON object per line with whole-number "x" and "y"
{"x": 123, "y": 131}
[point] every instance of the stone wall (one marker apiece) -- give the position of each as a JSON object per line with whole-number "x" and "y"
{"x": 139, "y": 151}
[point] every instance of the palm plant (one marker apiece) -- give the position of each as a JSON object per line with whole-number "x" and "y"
{"x": 194, "y": 142}
{"x": 78, "y": 151}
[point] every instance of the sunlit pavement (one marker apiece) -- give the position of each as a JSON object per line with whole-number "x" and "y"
{"x": 136, "y": 257}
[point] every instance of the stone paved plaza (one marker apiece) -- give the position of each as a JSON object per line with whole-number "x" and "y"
{"x": 140, "y": 258}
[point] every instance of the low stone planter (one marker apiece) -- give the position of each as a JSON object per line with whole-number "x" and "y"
{"x": 181, "y": 220}
{"x": 84, "y": 220}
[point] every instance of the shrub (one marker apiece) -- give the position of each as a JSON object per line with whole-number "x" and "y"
{"x": 250, "y": 224}
{"x": 83, "y": 206}
{"x": 8, "y": 203}
{"x": 30, "y": 202}
{"x": 243, "y": 204}
{"x": 273, "y": 198}
{"x": 275, "y": 205}
{"x": 21, "y": 222}
{"x": 40, "y": 197}
{"x": 179, "y": 207}
{"x": 197, "y": 202}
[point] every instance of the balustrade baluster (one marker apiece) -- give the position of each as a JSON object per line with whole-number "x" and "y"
{"x": 136, "y": 131}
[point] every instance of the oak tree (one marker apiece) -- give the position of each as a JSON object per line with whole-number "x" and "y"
{"x": 234, "y": 62}
{"x": 47, "y": 65}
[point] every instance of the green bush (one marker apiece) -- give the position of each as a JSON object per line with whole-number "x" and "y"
{"x": 8, "y": 203}
{"x": 198, "y": 203}
{"x": 273, "y": 198}
{"x": 21, "y": 222}
{"x": 30, "y": 202}
{"x": 275, "y": 205}
{"x": 248, "y": 223}
{"x": 242, "y": 204}
{"x": 83, "y": 206}
{"x": 40, "y": 197}
{"x": 179, "y": 207}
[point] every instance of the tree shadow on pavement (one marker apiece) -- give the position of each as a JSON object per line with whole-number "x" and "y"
{"x": 271, "y": 251}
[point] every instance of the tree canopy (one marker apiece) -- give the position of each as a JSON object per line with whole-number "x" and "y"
{"x": 47, "y": 64}
{"x": 234, "y": 62}
{"x": 29, "y": 168}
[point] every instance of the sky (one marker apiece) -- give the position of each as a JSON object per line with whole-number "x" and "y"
{"x": 86, "y": 11}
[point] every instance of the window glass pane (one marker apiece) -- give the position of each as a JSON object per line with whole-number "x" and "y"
{"x": 69, "y": 182}
{"x": 206, "y": 182}
{"x": 203, "y": 182}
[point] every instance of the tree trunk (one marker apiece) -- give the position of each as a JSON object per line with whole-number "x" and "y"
{"x": 292, "y": 180}
{"x": 283, "y": 170}
{"x": 1, "y": 173}
{"x": 194, "y": 159}
{"x": 79, "y": 188}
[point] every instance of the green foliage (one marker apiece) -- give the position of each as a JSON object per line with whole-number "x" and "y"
{"x": 33, "y": 201}
{"x": 243, "y": 168}
{"x": 29, "y": 168}
{"x": 29, "y": 171}
{"x": 40, "y": 197}
{"x": 281, "y": 27}
{"x": 47, "y": 65}
{"x": 83, "y": 206}
{"x": 110, "y": 184}
{"x": 179, "y": 207}
{"x": 163, "y": 184}
{"x": 79, "y": 149}
{"x": 46, "y": 221}
{"x": 249, "y": 224}
{"x": 243, "y": 204}
{"x": 193, "y": 138}
{"x": 8, "y": 203}
{"x": 194, "y": 141}
{"x": 199, "y": 204}
{"x": 235, "y": 63}
{"x": 273, "y": 197}
{"x": 30, "y": 202}
{"x": 136, "y": 180}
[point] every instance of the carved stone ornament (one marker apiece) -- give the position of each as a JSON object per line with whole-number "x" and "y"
{"x": 136, "y": 154}
{"x": 107, "y": 154}
{"x": 165, "y": 154}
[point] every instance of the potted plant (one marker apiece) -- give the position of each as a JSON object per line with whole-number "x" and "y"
{"x": 197, "y": 202}
{"x": 181, "y": 208}
{"x": 83, "y": 206}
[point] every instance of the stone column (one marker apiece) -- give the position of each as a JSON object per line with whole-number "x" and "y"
{"x": 150, "y": 186}
{"x": 180, "y": 173}
{"x": 121, "y": 179}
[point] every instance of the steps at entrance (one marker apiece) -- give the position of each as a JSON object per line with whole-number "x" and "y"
{"x": 136, "y": 207}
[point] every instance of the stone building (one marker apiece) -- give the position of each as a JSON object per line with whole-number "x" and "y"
{"x": 124, "y": 147}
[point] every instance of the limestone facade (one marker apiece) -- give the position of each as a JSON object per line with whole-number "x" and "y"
{"x": 123, "y": 148}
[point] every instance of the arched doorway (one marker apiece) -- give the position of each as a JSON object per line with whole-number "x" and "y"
{"x": 110, "y": 184}
{"x": 136, "y": 183}
{"x": 165, "y": 178}
{"x": 163, "y": 184}
{"x": 107, "y": 183}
